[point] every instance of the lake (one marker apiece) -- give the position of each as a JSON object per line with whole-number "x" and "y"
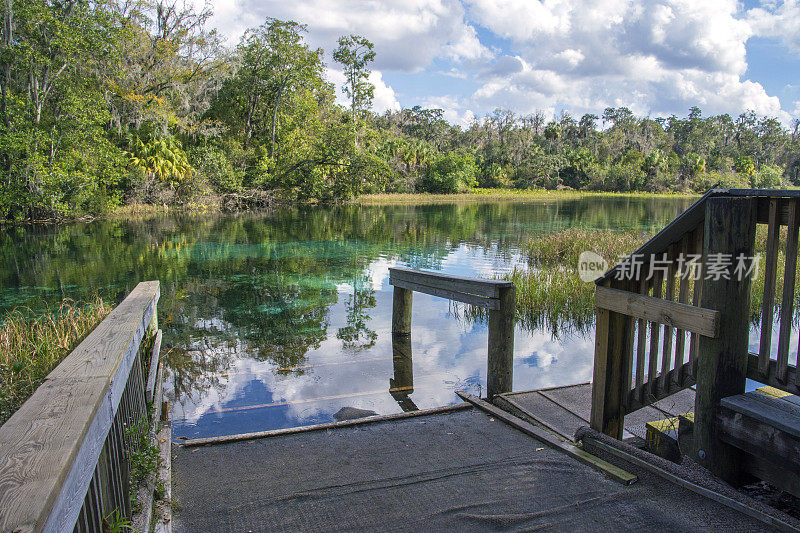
{"x": 282, "y": 319}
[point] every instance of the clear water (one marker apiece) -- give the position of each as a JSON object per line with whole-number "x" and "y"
{"x": 281, "y": 319}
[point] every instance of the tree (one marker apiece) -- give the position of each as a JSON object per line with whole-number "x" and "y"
{"x": 355, "y": 53}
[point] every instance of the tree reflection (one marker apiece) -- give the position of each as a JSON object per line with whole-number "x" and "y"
{"x": 356, "y": 335}
{"x": 261, "y": 285}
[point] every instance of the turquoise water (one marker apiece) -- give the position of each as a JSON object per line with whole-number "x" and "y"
{"x": 281, "y": 319}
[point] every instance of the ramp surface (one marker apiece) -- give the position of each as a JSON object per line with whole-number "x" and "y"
{"x": 457, "y": 471}
{"x": 564, "y": 409}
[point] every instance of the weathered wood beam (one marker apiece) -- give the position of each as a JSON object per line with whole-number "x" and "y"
{"x": 488, "y": 288}
{"x": 673, "y": 314}
{"x": 471, "y": 299}
{"x": 730, "y": 226}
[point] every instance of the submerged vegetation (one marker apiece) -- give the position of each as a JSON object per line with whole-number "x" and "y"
{"x": 106, "y": 104}
{"x": 32, "y": 345}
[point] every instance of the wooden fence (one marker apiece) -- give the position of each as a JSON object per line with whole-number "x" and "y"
{"x": 63, "y": 455}
{"x": 642, "y": 352}
{"x": 495, "y": 295}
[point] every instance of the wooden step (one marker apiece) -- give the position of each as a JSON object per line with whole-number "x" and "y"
{"x": 779, "y": 412}
{"x": 765, "y": 424}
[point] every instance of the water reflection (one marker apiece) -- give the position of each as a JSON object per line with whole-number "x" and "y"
{"x": 401, "y": 384}
{"x": 283, "y": 319}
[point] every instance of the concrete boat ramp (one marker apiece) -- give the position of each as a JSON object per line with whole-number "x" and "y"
{"x": 468, "y": 467}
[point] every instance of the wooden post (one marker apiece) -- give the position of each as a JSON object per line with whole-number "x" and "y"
{"x": 402, "y": 384}
{"x": 730, "y": 226}
{"x": 401, "y": 311}
{"x": 500, "y": 374}
{"x": 612, "y": 359}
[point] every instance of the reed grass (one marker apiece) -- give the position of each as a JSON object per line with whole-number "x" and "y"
{"x": 563, "y": 248}
{"x": 551, "y": 295}
{"x": 488, "y": 195}
{"x": 32, "y": 345}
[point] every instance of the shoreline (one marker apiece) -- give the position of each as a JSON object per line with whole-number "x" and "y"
{"x": 213, "y": 206}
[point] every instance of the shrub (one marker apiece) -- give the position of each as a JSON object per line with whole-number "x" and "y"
{"x": 449, "y": 173}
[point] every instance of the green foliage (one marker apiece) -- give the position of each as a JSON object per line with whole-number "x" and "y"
{"x": 768, "y": 177}
{"x": 109, "y": 102}
{"x": 116, "y": 522}
{"x": 143, "y": 457}
{"x": 162, "y": 159}
{"x": 449, "y": 173}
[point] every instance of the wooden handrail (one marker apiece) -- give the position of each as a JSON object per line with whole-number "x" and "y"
{"x": 674, "y": 314}
{"x": 51, "y": 446}
{"x": 498, "y": 296}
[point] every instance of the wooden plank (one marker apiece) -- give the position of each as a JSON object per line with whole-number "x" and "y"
{"x": 674, "y": 314}
{"x": 641, "y": 340}
{"x": 770, "y": 275}
{"x": 787, "y": 303}
{"x": 655, "y": 332}
{"x": 645, "y": 394}
{"x": 612, "y": 471}
{"x": 402, "y": 300}
{"x": 154, "y": 361}
{"x": 610, "y": 385}
{"x": 51, "y": 445}
{"x": 478, "y": 301}
{"x": 697, "y": 296}
{"x": 683, "y": 297}
{"x": 666, "y": 352}
{"x": 768, "y": 410}
{"x": 600, "y": 372}
{"x": 488, "y": 288}
{"x": 760, "y": 439}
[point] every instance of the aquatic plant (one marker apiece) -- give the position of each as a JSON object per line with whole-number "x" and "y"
{"x": 32, "y": 345}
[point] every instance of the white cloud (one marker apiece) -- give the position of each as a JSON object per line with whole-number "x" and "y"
{"x": 408, "y": 34}
{"x": 778, "y": 20}
{"x": 384, "y": 99}
{"x": 654, "y": 56}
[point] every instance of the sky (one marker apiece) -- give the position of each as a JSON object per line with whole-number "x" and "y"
{"x": 469, "y": 57}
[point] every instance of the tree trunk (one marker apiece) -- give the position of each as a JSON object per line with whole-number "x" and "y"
{"x": 275, "y": 121}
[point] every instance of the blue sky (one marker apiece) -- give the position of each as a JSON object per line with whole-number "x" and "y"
{"x": 469, "y": 57}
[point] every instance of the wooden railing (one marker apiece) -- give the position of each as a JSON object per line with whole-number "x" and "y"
{"x": 495, "y": 295}
{"x": 63, "y": 454}
{"x": 761, "y": 367}
{"x": 646, "y": 309}
{"x": 650, "y": 331}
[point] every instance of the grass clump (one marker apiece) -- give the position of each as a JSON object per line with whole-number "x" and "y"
{"x": 488, "y": 195}
{"x": 31, "y": 346}
{"x": 550, "y": 294}
{"x": 562, "y": 248}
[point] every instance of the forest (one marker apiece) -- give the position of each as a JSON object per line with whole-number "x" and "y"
{"x": 117, "y": 102}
